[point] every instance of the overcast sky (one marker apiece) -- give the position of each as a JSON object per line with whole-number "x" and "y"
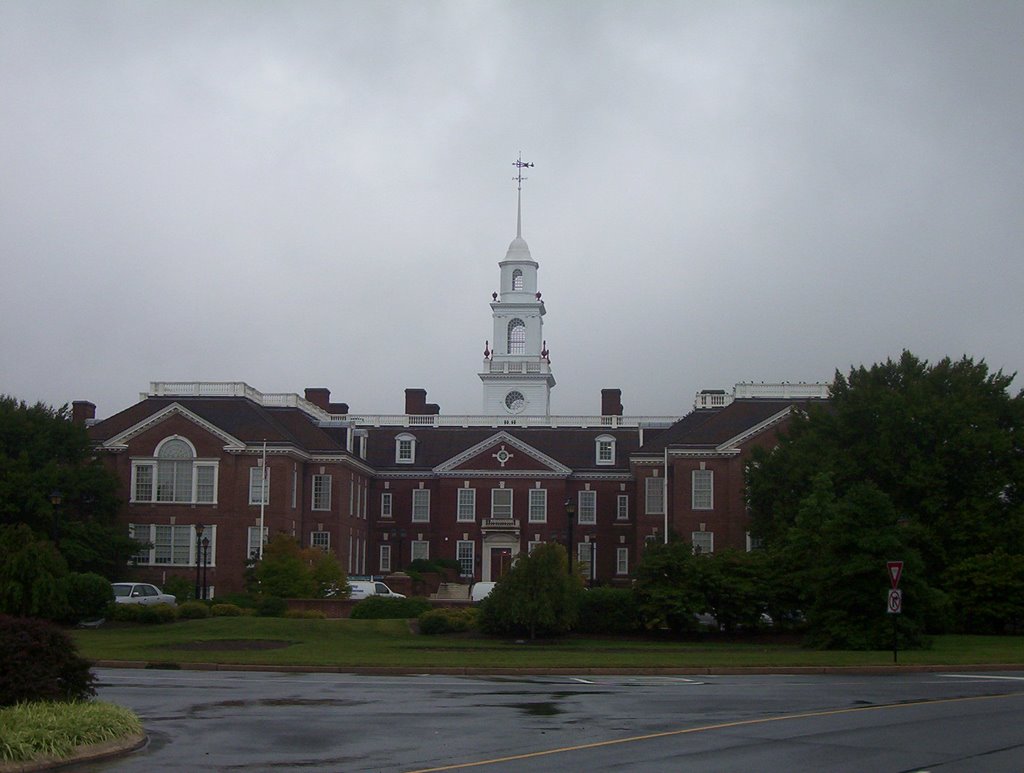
{"x": 300, "y": 194}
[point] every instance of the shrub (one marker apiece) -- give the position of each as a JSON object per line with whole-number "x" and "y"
{"x": 31, "y": 571}
{"x": 448, "y": 620}
{"x": 180, "y": 588}
{"x": 124, "y": 613}
{"x": 609, "y": 611}
{"x": 155, "y": 614}
{"x": 88, "y": 596}
{"x": 243, "y": 600}
{"x": 39, "y": 662}
{"x": 306, "y": 614}
{"x": 193, "y": 610}
{"x": 225, "y": 610}
{"x": 272, "y": 606}
{"x": 381, "y": 608}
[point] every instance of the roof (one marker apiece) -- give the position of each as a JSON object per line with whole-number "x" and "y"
{"x": 711, "y": 427}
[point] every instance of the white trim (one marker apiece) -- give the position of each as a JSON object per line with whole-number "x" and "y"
{"x": 498, "y": 438}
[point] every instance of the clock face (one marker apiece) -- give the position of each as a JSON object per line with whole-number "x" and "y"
{"x": 515, "y": 402}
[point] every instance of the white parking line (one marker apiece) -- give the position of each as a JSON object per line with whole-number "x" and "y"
{"x": 984, "y": 677}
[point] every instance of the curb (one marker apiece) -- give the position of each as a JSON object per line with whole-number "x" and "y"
{"x": 95, "y": 752}
{"x": 587, "y": 671}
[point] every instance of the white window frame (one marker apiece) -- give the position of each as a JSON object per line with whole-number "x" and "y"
{"x": 532, "y": 545}
{"x": 465, "y": 508}
{"x": 386, "y": 504}
{"x": 500, "y": 511}
{"x": 252, "y": 541}
{"x": 320, "y": 497}
{"x": 420, "y": 549}
{"x": 621, "y": 560}
{"x": 384, "y": 562}
{"x": 622, "y": 507}
{"x": 465, "y": 554}
{"x": 654, "y": 496}
{"x": 421, "y": 505}
{"x": 405, "y": 449}
{"x": 586, "y": 507}
{"x": 538, "y": 512}
{"x": 703, "y": 541}
{"x": 604, "y": 450}
{"x": 320, "y": 539}
{"x": 259, "y": 484}
{"x": 703, "y": 489}
{"x": 180, "y": 551}
{"x": 199, "y": 469}
{"x": 586, "y": 557}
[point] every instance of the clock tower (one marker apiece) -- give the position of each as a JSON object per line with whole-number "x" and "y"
{"x": 516, "y": 372}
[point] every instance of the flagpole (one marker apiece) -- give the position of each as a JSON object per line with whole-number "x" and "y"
{"x": 263, "y": 495}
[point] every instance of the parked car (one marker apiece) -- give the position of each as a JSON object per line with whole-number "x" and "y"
{"x": 361, "y": 589}
{"x": 141, "y": 593}
{"x": 480, "y": 591}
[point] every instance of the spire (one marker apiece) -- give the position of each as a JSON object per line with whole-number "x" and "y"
{"x": 520, "y": 164}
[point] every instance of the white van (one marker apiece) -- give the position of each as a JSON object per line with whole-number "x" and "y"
{"x": 361, "y": 589}
{"x": 480, "y": 591}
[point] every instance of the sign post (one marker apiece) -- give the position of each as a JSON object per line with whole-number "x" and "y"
{"x": 894, "y": 604}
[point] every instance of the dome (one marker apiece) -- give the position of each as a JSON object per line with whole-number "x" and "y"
{"x": 518, "y": 250}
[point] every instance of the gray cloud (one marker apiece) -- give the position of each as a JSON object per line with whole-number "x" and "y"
{"x": 299, "y": 194}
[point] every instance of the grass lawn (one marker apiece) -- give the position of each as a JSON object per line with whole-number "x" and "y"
{"x": 389, "y": 643}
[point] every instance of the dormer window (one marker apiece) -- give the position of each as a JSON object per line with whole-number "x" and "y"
{"x": 517, "y": 280}
{"x": 605, "y": 449}
{"x": 405, "y": 449}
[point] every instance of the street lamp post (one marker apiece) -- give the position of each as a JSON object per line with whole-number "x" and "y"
{"x": 199, "y": 546}
{"x": 593, "y": 561}
{"x": 570, "y": 515}
{"x": 206, "y": 563}
{"x": 399, "y": 536}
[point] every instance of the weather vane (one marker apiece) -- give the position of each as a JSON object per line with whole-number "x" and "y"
{"x": 521, "y": 165}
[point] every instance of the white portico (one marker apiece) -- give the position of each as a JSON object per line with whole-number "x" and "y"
{"x": 516, "y": 372}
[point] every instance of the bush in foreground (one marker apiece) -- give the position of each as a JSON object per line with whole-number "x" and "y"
{"x": 35, "y": 730}
{"x": 381, "y": 608}
{"x": 225, "y": 610}
{"x": 88, "y": 595}
{"x": 38, "y": 662}
{"x": 448, "y": 620}
{"x": 609, "y": 611}
{"x": 193, "y": 610}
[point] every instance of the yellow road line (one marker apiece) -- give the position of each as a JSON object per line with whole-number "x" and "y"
{"x": 704, "y": 728}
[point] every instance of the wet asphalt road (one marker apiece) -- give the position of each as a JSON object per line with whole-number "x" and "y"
{"x": 257, "y": 721}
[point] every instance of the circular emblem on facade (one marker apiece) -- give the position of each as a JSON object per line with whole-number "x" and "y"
{"x": 515, "y": 402}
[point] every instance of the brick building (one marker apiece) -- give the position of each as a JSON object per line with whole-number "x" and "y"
{"x": 381, "y": 491}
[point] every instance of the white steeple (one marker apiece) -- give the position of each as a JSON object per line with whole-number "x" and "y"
{"x": 516, "y": 373}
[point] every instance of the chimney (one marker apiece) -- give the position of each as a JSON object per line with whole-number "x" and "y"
{"x": 611, "y": 402}
{"x": 416, "y": 403}
{"x": 319, "y": 396}
{"x": 82, "y": 411}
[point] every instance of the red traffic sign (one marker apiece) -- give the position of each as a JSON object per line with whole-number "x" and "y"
{"x": 895, "y": 572}
{"x": 894, "y": 605}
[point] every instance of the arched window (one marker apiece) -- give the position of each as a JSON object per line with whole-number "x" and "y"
{"x": 174, "y": 474}
{"x": 517, "y": 280}
{"x": 174, "y": 471}
{"x": 517, "y": 337}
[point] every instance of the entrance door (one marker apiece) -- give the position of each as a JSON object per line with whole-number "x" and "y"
{"x": 501, "y": 562}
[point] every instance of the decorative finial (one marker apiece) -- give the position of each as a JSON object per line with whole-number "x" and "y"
{"x": 494, "y": 296}
{"x": 487, "y": 349}
{"x": 521, "y": 165}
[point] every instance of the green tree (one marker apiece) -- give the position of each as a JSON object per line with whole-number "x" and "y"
{"x": 669, "y": 586}
{"x": 734, "y": 587}
{"x": 288, "y": 571}
{"x": 944, "y": 443}
{"x": 41, "y": 452}
{"x": 538, "y": 595}
{"x": 987, "y": 593}
{"x": 31, "y": 575}
{"x": 284, "y": 572}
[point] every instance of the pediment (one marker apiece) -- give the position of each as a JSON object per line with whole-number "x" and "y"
{"x": 502, "y": 453}
{"x": 121, "y": 440}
